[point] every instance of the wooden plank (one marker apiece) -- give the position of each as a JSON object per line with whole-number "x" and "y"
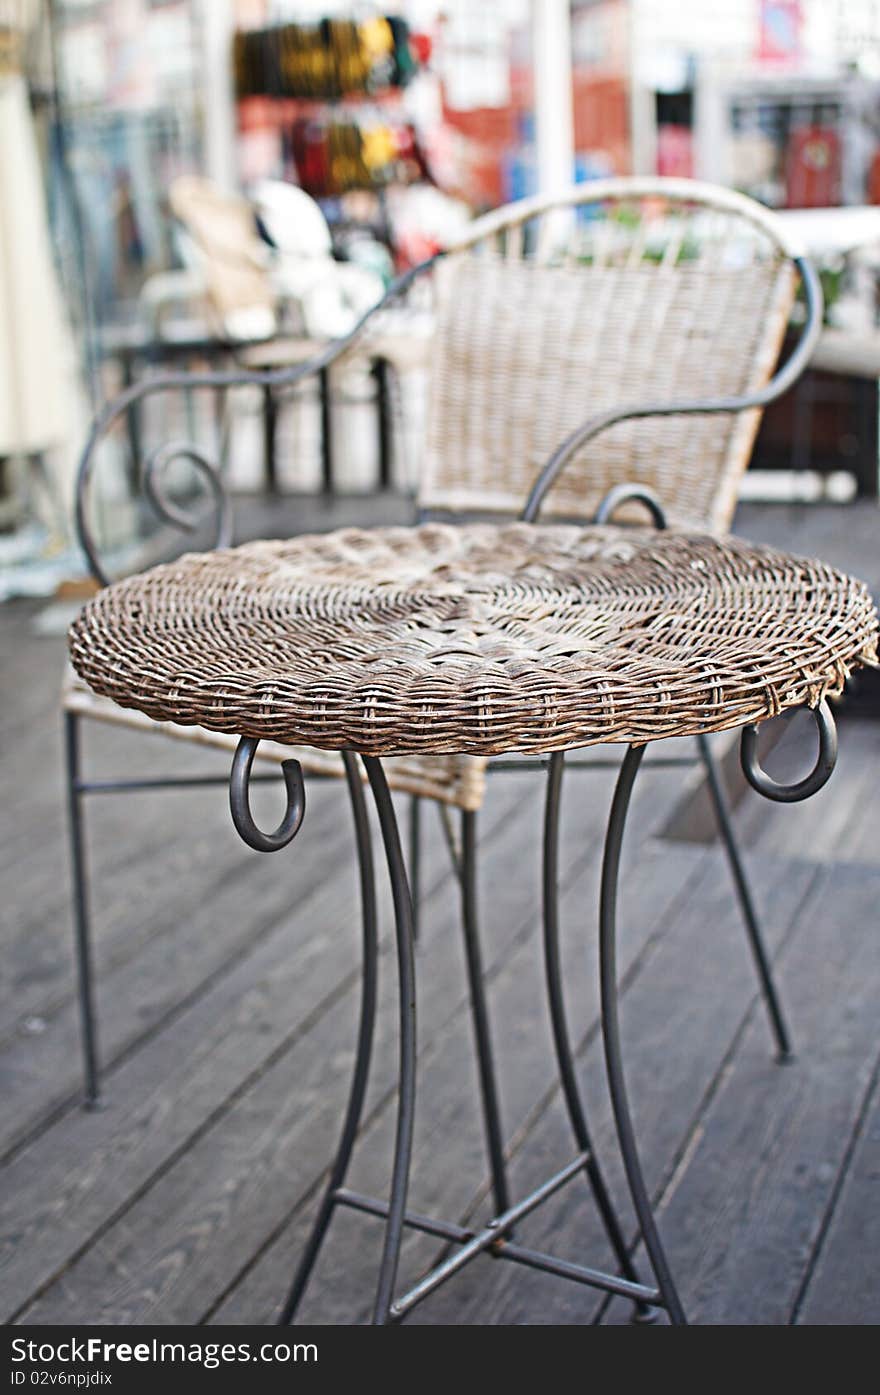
{"x": 691, "y": 992}
{"x": 75, "y": 1176}
{"x": 715, "y": 909}
{"x": 28, "y": 686}
{"x": 822, "y": 828}
{"x": 181, "y": 1268}
{"x": 676, "y": 1060}
{"x": 692, "y": 1050}
{"x": 847, "y": 538}
{"x": 861, "y": 844}
{"x": 156, "y": 944}
{"x": 744, "y": 1210}
{"x": 71, "y": 1180}
{"x": 449, "y": 1166}
{"x": 206, "y": 1165}
{"x": 180, "y": 938}
{"x": 528, "y": 1078}
{"x": 844, "y": 1286}
{"x": 121, "y": 830}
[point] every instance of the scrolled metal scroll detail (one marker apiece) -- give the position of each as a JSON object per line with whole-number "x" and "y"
{"x": 239, "y": 800}
{"x": 153, "y": 384}
{"x": 155, "y": 492}
{"x": 624, "y": 494}
{"x": 812, "y": 783}
{"x": 154, "y": 489}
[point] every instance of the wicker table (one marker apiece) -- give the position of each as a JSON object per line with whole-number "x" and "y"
{"x": 480, "y": 639}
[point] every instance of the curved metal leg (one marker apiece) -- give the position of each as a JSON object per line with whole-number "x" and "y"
{"x": 561, "y": 1038}
{"x": 406, "y": 1101}
{"x": 81, "y": 922}
{"x": 611, "y": 1034}
{"x": 364, "y": 1041}
{"x": 415, "y": 857}
{"x": 744, "y": 896}
{"x": 479, "y": 1013}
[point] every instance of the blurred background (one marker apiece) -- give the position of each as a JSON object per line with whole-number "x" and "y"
{"x": 229, "y": 184}
{"x": 183, "y": 179}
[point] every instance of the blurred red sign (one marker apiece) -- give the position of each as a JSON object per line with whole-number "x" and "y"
{"x": 781, "y": 23}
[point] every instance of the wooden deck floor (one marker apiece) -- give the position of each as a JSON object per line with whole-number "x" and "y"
{"x": 227, "y": 998}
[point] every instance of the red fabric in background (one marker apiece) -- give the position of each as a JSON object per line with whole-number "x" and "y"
{"x": 813, "y": 167}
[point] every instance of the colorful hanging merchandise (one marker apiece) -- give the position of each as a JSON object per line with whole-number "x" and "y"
{"x": 335, "y": 153}
{"x": 325, "y": 61}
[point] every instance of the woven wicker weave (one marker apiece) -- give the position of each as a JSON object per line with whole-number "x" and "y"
{"x": 459, "y": 781}
{"x": 476, "y": 639}
{"x": 658, "y": 291}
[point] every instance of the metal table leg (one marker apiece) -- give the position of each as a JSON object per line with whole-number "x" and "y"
{"x": 561, "y": 1039}
{"x": 81, "y": 918}
{"x": 364, "y": 1042}
{"x": 406, "y": 1098}
{"x": 494, "y": 1239}
{"x": 480, "y": 1013}
{"x": 611, "y": 1035}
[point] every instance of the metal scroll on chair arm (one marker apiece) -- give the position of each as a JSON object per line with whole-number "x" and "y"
{"x": 624, "y": 494}
{"x": 239, "y": 800}
{"x": 170, "y": 382}
{"x": 777, "y": 385}
{"x": 818, "y": 776}
{"x": 154, "y": 489}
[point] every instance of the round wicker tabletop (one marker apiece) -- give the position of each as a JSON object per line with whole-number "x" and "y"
{"x": 476, "y": 639}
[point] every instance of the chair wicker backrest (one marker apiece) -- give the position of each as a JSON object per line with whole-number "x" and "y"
{"x": 617, "y": 293}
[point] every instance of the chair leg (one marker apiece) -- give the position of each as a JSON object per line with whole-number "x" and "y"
{"x": 611, "y": 1036}
{"x": 480, "y": 1015}
{"x": 561, "y": 1039}
{"x": 415, "y": 857}
{"x": 383, "y": 416}
{"x": 364, "y": 1042}
{"x": 270, "y": 439}
{"x": 778, "y": 1024}
{"x": 81, "y": 919}
{"x": 327, "y": 461}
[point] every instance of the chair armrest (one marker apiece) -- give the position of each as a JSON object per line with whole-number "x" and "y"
{"x": 777, "y": 385}
{"x": 149, "y": 386}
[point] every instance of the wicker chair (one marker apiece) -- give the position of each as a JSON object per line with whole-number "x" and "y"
{"x": 619, "y": 300}
{"x": 654, "y": 309}
{"x": 688, "y": 300}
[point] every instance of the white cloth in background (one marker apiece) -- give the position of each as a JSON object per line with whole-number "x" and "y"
{"x": 36, "y": 352}
{"x": 332, "y": 296}
{"x": 42, "y": 409}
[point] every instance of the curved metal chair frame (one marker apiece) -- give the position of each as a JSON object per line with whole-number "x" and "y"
{"x": 567, "y": 459}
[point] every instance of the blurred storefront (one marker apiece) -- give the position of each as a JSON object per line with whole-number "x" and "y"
{"x": 778, "y": 97}
{"x": 401, "y": 121}
{"x": 130, "y": 78}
